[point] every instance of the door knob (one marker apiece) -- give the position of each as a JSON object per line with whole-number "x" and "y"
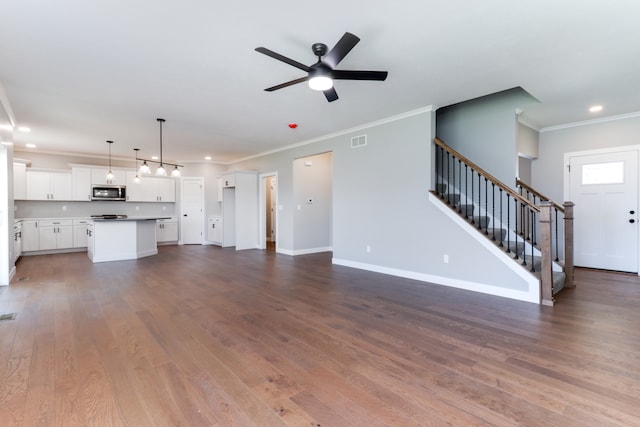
{"x": 184, "y": 215}
{"x": 632, "y": 221}
{"x": 632, "y": 212}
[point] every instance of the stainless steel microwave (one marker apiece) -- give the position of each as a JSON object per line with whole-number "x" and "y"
{"x": 109, "y": 192}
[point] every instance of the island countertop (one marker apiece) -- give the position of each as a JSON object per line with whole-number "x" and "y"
{"x": 131, "y": 218}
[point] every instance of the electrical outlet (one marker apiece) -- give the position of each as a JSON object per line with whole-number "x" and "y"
{"x": 445, "y": 259}
{"x": 64, "y": 208}
{"x": 368, "y": 249}
{"x": 137, "y": 208}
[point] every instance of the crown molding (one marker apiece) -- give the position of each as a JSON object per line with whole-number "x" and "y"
{"x": 592, "y": 121}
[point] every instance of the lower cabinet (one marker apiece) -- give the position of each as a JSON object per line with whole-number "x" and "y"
{"x": 55, "y": 234}
{"x": 80, "y": 233}
{"x": 214, "y": 230}
{"x": 167, "y": 230}
{"x": 30, "y": 235}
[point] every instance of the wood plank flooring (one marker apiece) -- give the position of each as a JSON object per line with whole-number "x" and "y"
{"x": 205, "y": 336}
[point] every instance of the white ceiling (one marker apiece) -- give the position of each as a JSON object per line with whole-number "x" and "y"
{"x": 81, "y": 72}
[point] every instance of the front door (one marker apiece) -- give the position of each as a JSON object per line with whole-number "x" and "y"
{"x": 604, "y": 188}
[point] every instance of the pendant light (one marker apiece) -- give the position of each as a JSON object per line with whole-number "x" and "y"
{"x": 175, "y": 172}
{"x": 109, "y": 174}
{"x": 161, "y": 171}
{"x": 144, "y": 168}
{"x": 136, "y": 178}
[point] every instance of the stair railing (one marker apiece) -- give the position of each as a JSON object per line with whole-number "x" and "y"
{"x": 464, "y": 185}
{"x": 558, "y": 212}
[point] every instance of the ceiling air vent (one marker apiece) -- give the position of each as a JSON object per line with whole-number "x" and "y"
{"x": 358, "y": 141}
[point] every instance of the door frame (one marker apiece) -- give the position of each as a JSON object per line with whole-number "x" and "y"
{"x": 262, "y": 203}
{"x": 609, "y": 150}
{"x": 203, "y": 219}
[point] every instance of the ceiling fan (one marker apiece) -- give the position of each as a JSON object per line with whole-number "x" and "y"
{"x": 322, "y": 74}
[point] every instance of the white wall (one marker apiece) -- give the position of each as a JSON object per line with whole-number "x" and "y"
{"x": 485, "y": 131}
{"x": 548, "y": 169}
{"x": 380, "y": 201}
{"x": 312, "y": 177}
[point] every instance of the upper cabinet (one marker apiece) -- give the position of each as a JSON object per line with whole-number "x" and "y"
{"x": 99, "y": 176}
{"x": 150, "y": 189}
{"x": 44, "y": 185}
{"x": 81, "y": 184}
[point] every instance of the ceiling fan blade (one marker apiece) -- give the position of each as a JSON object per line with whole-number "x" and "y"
{"x": 358, "y": 75}
{"x": 282, "y": 58}
{"x": 286, "y": 84}
{"x": 330, "y": 94}
{"x": 340, "y": 50}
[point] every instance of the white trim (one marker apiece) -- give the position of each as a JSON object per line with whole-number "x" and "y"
{"x": 595, "y": 151}
{"x": 427, "y": 109}
{"x": 525, "y": 122}
{"x": 526, "y": 296}
{"x": 304, "y": 251}
{"x": 591, "y": 122}
{"x": 532, "y": 282}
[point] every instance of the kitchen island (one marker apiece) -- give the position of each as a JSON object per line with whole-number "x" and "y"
{"x": 121, "y": 238}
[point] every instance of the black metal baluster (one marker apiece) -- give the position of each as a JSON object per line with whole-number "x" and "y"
{"x": 479, "y": 201}
{"x": 516, "y": 234}
{"x": 460, "y": 185}
{"x": 508, "y": 223}
{"x": 466, "y": 189}
{"x": 501, "y": 226}
{"x": 486, "y": 205}
{"x": 473, "y": 218}
{"x": 493, "y": 211}
{"x": 557, "y": 259}
{"x": 533, "y": 231}
{"x": 448, "y": 178}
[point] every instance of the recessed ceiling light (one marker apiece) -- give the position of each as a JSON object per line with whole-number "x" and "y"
{"x": 154, "y": 157}
{"x": 595, "y": 108}
{"x": 207, "y": 157}
{"x": 30, "y": 145}
{"x": 6, "y": 127}
{"x": 24, "y": 129}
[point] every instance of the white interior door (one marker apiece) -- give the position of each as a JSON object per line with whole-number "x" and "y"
{"x": 192, "y": 211}
{"x": 604, "y": 188}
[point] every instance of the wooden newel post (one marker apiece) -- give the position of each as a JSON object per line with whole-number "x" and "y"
{"x": 546, "y": 273}
{"x": 568, "y": 245}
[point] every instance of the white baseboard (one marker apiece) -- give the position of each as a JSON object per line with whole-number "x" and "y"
{"x": 532, "y": 295}
{"x": 304, "y": 251}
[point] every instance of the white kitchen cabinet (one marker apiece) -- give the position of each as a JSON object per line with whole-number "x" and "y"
{"x": 220, "y": 187}
{"x": 159, "y": 190}
{"x": 30, "y": 235}
{"x": 80, "y": 233}
{"x": 45, "y": 185}
{"x": 134, "y": 189}
{"x": 81, "y": 184}
{"x": 150, "y": 189}
{"x": 167, "y": 230}
{"x": 99, "y": 176}
{"x": 19, "y": 181}
{"x": 17, "y": 241}
{"x": 55, "y": 234}
{"x": 90, "y": 240}
{"x": 229, "y": 180}
{"x": 240, "y": 210}
{"x": 214, "y": 230}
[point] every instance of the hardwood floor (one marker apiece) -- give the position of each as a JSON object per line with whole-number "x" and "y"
{"x": 204, "y": 336}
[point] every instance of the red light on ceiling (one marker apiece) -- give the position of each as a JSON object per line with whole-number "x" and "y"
{"x": 293, "y": 125}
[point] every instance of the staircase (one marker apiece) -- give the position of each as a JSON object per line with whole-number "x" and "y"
{"x": 525, "y": 225}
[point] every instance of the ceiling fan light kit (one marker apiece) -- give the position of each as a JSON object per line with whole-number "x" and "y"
{"x": 320, "y": 76}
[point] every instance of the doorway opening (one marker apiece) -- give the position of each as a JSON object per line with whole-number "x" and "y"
{"x": 269, "y": 211}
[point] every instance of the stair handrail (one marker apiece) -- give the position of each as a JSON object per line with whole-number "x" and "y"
{"x": 487, "y": 175}
{"x": 542, "y": 197}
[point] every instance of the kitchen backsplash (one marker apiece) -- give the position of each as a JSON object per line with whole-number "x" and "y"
{"x": 51, "y": 209}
